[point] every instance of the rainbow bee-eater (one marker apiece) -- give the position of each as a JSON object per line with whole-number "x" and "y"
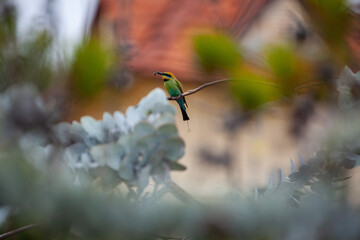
{"x": 174, "y": 88}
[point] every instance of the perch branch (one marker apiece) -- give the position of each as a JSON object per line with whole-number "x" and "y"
{"x": 16, "y": 231}
{"x": 192, "y": 91}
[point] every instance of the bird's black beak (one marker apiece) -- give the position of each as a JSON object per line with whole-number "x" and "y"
{"x": 160, "y": 73}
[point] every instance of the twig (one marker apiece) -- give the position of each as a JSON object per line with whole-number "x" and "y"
{"x": 169, "y": 238}
{"x": 173, "y": 238}
{"x": 19, "y": 230}
{"x": 180, "y": 193}
{"x": 310, "y": 85}
{"x": 192, "y": 91}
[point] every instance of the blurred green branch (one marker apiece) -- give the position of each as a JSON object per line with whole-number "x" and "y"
{"x": 19, "y": 230}
{"x": 172, "y": 238}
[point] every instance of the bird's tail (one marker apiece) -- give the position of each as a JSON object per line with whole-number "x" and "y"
{"x": 184, "y": 115}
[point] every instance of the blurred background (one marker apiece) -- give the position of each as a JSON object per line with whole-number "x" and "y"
{"x": 104, "y": 53}
{"x": 92, "y": 148}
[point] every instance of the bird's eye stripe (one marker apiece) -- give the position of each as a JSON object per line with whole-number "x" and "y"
{"x": 167, "y": 75}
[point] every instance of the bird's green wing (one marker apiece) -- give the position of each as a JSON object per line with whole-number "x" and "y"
{"x": 179, "y": 85}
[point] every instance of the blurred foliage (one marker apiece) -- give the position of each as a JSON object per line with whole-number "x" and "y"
{"x": 92, "y": 65}
{"x": 216, "y": 51}
{"x": 288, "y": 67}
{"x": 332, "y": 21}
{"x": 8, "y": 20}
{"x": 284, "y": 72}
{"x": 29, "y": 62}
{"x": 284, "y": 66}
{"x": 251, "y": 90}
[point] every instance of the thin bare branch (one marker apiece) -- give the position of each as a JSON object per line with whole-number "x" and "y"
{"x": 169, "y": 238}
{"x": 19, "y": 230}
{"x": 173, "y": 238}
{"x": 310, "y": 85}
{"x": 192, "y": 91}
{"x": 180, "y": 193}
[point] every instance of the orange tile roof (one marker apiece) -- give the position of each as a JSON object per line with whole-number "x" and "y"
{"x": 161, "y": 31}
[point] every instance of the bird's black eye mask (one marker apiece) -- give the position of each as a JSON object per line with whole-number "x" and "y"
{"x": 167, "y": 75}
{"x": 163, "y": 74}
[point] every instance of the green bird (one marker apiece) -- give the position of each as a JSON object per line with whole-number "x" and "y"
{"x": 174, "y": 88}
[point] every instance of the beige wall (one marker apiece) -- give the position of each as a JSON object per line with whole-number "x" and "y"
{"x": 276, "y": 25}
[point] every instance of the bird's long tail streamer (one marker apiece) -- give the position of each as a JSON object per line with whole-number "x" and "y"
{"x": 188, "y": 127}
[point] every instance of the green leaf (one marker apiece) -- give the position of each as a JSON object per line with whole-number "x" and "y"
{"x": 91, "y": 67}
{"x": 282, "y": 61}
{"x": 175, "y": 166}
{"x": 251, "y": 90}
{"x": 216, "y": 51}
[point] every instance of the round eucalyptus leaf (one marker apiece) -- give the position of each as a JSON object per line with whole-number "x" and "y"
{"x": 126, "y": 170}
{"x": 108, "y": 121}
{"x": 72, "y": 154}
{"x": 87, "y": 161}
{"x": 62, "y": 132}
{"x": 148, "y": 146}
{"x": 109, "y": 154}
{"x": 173, "y": 148}
{"x": 132, "y": 116}
{"x": 143, "y": 177}
{"x": 161, "y": 174}
{"x": 161, "y": 107}
{"x": 78, "y": 133}
{"x": 120, "y": 122}
{"x": 93, "y": 128}
{"x": 167, "y": 130}
{"x": 148, "y": 143}
{"x": 142, "y": 129}
{"x": 166, "y": 118}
